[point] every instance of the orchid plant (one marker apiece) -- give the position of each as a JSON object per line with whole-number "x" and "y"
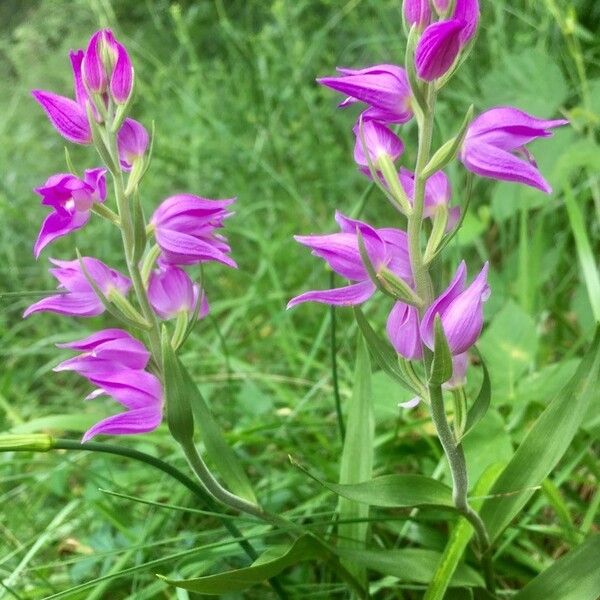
{"x": 432, "y": 325}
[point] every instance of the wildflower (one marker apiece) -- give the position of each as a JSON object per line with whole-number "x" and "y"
{"x": 403, "y": 331}
{"x": 417, "y": 12}
{"x": 132, "y": 143}
{"x": 437, "y": 193}
{"x": 184, "y": 226}
{"x": 76, "y": 296}
{"x": 71, "y": 199}
{"x": 460, "y": 310}
{"x": 441, "y": 42}
{"x": 496, "y": 138}
{"x": 378, "y": 140}
{"x": 386, "y": 249}
{"x": 107, "y": 67}
{"x": 384, "y": 88}
{"x": 171, "y": 291}
{"x": 114, "y": 362}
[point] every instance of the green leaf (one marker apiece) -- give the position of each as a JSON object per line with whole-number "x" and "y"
{"x": 409, "y": 564}
{"x": 441, "y": 367}
{"x": 544, "y": 445}
{"x": 357, "y": 455}
{"x": 459, "y": 539}
{"x": 178, "y": 400}
{"x": 509, "y": 346}
{"x": 217, "y": 449}
{"x": 482, "y": 403}
{"x": 382, "y": 352}
{"x": 269, "y": 564}
{"x": 575, "y": 576}
{"x": 392, "y": 491}
{"x": 587, "y": 257}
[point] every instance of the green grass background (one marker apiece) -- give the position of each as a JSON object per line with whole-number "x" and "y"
{"x": 230, "y": 85}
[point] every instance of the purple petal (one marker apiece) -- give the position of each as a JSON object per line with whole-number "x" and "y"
{"x": 92, "y": 66}
{"x": 489, "y": 161}
{"x": 178, "y": 210}
{"x": 410, "y": 403}
{"x": 438, "y": 48}
{"x": 121, "y": 81}
{"x": 467, "y": 11}
{"x": 437, "y": 191}
{"x": 417, "y": 12}
{"x": 132, "y": 142}
{"x": 68, "y": 118}
{"x": 403, "y": 331}
{"x": 81, "y": 94}
{"x": 131, "y": 422}
{"x": 184, "y": 249}
{"x": 441, "y": 303}
{"x": 96, "y": 178}
{"x": 56, "y": 225}
{"x": 347, "y": 296}
{"x": 70, "y": 304}
{"x": 170, "y": 292}
{"x": 90, "y": 342}
{"x": 462, "y": 320}
{"x": 509, "y": 128}
{"x": 379, "y": 141}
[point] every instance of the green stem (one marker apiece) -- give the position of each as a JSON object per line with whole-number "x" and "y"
{"x": 460, "y": 482}
{"x": 420, "y": 270}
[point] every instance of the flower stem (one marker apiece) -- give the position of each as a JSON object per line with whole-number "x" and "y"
{"x": 460, "y": 482}
{"x": 420, "y": 270}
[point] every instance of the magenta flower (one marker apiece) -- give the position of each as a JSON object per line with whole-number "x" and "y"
{"x": 437, "y": 192}
{"x": 107, "y": 67}
{"x": 417, "y": 12}
{"x": 496, "y": 138}
{"x": 460, "y": 310}
{"x": 384, "y": 88}
{"x": 386, "y": 248}
{"x": 132, "y": 143}
{"x": 184, "y": 226}
{"x": 109, "y": 345}
{"x": 76, "y": 297}
{"x": 403, "y": 331}
{"x": 113, "y": 361}
{"x": 379, "y": 141}
{"x": 441, "y": 42}
{"x": 171, "y": 291}
{"x": 71, "y": 198}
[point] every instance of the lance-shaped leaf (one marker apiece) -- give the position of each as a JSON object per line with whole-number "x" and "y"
{"x": 357, "y": 457}
{"x": 392, "y": 491}
{"x": 410, "y": 564}
{"x": 447, "y": 153}
{"x": 544, "y": 444}
{"x": 441, "y": 366}
{"x": 440, "y": 222}
{"x": 178, "y": 399}
{"x": 269, "y": 564}
{"x": 217, "y": 449}
{"x": 575, "y": 576}
{"x": 482, "y": 403}
{"x": 415, "y": 85}
{"x": 383, "y": 354}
